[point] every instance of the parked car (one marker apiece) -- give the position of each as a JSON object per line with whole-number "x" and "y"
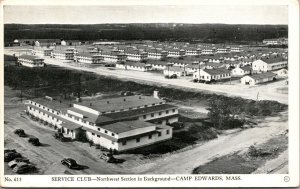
{"x": 17, "y": 160}
{"x": 69, "y": 162}
{"x": 34, "y": 141}
{"x": 108, "y": 157}
{"x": 23, "y": 167}
{"x": 9, "y": 156}
{"x": 6, "y": 150}
{"x": 60, "y": 137}
{"x": 20, "y": 132}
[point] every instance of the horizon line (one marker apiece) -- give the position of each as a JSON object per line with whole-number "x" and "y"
{"x": 142, "y": 23}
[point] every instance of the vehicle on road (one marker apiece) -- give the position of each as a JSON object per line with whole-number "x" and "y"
{"x": 6, "y": 150}
{"x": 109, "y": 158}
{"x": 20, "y": 132}
{"x": 34, "y": 141}
{"x": 69, "y": 162}
{"x": 9, "y": 156}
{"x": 17, "y": 160}
{"x": 23, "y": 167}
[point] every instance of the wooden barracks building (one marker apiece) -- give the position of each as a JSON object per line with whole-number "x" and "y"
{"x": 121, "y": 123}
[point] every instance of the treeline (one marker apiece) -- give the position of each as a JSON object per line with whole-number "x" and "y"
{"x": 212, "y": 33}
{"x": 63, "y": 82}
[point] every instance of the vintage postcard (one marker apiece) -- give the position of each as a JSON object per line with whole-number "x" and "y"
{"x": 150, "y": 93}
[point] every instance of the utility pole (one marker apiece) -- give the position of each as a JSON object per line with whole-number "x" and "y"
{"x": 79, "y": 86}
{"x": 199, "y": 72}
{"x": 21, "y": 76}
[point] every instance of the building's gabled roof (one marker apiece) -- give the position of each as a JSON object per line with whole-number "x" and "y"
{"x": 246, "y": 68}
{"x": 154, "y": 50}
{"x": 157, "y": 62}
{"x": 175, "y": 69}
{"x": 263, "y": 75}
{"x": 137, "y": 64}
{"x": 30, "y": 57}
{"x": 135, "y": 113}
{"x": 218, "y": 71}
{"x": 134, "y": 51}
{"x": 125, "y": 126}
{"x": 114, "y": 104}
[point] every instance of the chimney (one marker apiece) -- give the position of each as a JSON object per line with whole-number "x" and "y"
{"x": 156, "y": 94}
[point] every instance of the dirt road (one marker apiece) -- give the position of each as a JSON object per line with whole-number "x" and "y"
{"x": 261, "y": 92}
{"x": 186, "y": 161}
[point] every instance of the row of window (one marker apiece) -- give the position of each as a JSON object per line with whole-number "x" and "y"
{"x": 159, "y": 113}
{"x": 53, "y": 118}
{"x": 44, "y": 107}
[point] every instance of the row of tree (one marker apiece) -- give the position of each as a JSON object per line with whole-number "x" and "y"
{"x": 213, "y": 33}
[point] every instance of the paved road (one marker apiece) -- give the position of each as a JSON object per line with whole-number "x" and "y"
{"x": 260, "y": 92}
{"x": 48, "y": 156}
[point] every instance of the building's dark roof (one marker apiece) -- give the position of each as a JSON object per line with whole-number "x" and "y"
{"x": 58, "y": 105}
{"x": 132, "y": 114}
{"x": 29, "y": 57}
{"x": 270, "y": 60}
{"x": 246, "y": 68}
{"x": 124, "y": 126}
{"x": 216, "y": 71}
{"x": 263, "y": 75}
{"x": 153, "y": 50}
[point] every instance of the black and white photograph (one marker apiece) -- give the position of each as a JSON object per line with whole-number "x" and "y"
{"x": 149, "y": 91}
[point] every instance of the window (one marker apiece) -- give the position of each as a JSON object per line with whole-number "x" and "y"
{"x": 93, "y": 133}
{"x": 29, "y": 108}
{"x": 124, "y": 143}
{"x": 167, "y": 111}
{"x": 159, "y": 134}
{"x": 112, "y": 134}
{"x": 138, "y": 140}
{"x": 150, "y": 136}
{"x": 152, "y": 115}
{"x": 168, "y": 132}
{"x": 159, "y": 113}
{"x": 174, "y": 110}
{"x": 144, "y": 116}
{"x": 112, "y": 142}
{"x": 105, "y": 131}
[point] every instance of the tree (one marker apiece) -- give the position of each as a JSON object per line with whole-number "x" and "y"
{"x": 221, "y": 116}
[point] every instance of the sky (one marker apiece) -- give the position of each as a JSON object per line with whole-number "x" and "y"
{"x": 229, "y": 14}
